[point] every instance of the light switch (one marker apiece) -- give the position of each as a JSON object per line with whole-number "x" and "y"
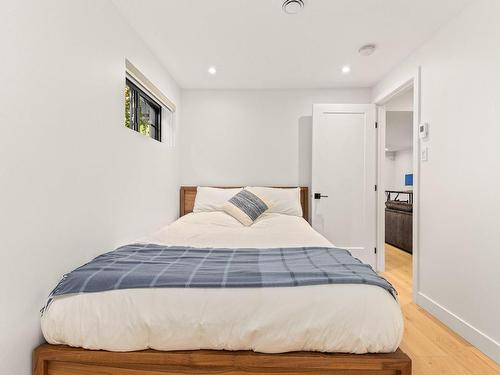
{"x": 424, "y": 153}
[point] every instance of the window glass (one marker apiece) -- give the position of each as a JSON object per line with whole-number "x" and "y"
{"x": 142, "y": 112}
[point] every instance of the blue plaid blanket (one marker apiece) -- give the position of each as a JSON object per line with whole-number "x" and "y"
{"x": 157, "y": 266}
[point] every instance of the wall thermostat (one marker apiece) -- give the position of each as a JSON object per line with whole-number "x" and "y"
{"x": 423, "y": 130}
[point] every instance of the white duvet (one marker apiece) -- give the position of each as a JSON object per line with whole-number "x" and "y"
{"x": 327, "y": 318}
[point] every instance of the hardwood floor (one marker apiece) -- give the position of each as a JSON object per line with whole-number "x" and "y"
{"x": 433, "y": 348}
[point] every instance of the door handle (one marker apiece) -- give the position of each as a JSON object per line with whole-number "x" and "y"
{"x": 319, "y": 196}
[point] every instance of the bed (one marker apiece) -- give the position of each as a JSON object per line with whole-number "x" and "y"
{"x": 322, "y": 329}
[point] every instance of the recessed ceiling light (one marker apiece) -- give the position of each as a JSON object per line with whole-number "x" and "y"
{"x": 346, "y": 69}
{"x": 212, "y": 70}
{"x": 292, "y": 6}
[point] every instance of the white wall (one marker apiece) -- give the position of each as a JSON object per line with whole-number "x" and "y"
{"x": 399, "y": 142}
{"x": 233, "y": 137}
{"x": 396, "y": 167}
{"x": 459, "y": 252}
{"x": 402, "y": 102}
{"x": 74, "y": 181}
{"x": 399, "y": 130}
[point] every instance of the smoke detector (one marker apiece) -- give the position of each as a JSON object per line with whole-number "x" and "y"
{"x": 292, "y": 6}
{"x": 367, "y": 49}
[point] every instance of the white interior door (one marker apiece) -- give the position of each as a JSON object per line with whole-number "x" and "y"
{"x": 344, "y": 174}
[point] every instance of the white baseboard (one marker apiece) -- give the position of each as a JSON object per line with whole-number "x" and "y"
{"x": 477, "y": 338}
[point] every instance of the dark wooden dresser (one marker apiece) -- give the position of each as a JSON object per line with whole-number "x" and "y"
{"x": 399, "y": 224}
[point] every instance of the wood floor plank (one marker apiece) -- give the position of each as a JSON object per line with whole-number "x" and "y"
{"x": 433, "y": 347}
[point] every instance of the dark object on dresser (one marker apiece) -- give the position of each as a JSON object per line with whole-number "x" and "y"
{"x": 399, "y": 225}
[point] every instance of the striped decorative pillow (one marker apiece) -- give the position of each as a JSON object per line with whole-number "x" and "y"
{"x": 245, "y": 207}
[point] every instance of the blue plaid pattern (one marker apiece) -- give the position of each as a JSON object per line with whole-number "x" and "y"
{"x": 157, "y": 266}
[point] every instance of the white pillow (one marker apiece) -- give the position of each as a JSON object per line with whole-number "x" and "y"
{"x": 280, "y": 201}
{"x": 210, "y": 199}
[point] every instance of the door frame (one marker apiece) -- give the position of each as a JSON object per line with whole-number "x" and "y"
{"x": 413, "y": 79}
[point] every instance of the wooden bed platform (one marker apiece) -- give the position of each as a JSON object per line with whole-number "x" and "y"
{"x": 188, "y": 195}
{"x": 64, "y": 360}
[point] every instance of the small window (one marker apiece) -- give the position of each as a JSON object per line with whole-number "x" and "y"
{"x": 142, "y": 113}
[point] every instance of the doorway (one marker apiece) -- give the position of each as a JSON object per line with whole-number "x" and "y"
{"x": 397, "y": 177}
{"x": 397, "y": 181}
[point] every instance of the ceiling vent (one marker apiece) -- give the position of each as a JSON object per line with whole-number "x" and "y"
{"x": 292, "y": 6}
{"x": 367, "y": 49}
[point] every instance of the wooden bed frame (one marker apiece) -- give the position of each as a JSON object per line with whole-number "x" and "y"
{"x": 188, "y": 194}
{"x": 65, "y": 360}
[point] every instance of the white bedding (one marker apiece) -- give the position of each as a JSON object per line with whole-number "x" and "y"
{"x": 328, "y": 318}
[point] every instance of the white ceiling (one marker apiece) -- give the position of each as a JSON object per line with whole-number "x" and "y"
{"x": 254, "y": 44}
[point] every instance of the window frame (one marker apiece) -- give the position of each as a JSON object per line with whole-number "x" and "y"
{"x": 137, "y": 92}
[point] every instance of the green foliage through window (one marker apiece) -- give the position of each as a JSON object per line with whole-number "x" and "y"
{"x": 127, "y": 106}
{"x": 142, "y": 113}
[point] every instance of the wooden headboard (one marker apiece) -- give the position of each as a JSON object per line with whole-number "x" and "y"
{"x": 188, "y": 193}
